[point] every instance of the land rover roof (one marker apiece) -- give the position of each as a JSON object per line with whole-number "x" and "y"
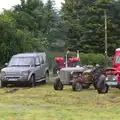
{"x": 28, "y": 54}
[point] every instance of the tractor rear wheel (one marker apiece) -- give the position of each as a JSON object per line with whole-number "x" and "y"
{"x": 101, "y": 86}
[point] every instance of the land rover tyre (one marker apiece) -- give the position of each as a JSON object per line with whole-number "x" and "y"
{"x": 47, "y": 77}
{"x": 2, "y": 84}
{"x": 76, "y": 86}
{"x": 58, "y": 84}
{"x": 102, "y": 87}
{"x": 32, "y": 81}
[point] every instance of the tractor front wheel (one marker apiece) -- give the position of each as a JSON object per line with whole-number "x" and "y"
{"x": 58, "y": 84}
{"x": 76, "y": 86}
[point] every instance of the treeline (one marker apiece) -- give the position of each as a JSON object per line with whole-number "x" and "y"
{"x": 28, "y": 27}
{"x": 84, "y": 22}
{"x": 79, "y": 25}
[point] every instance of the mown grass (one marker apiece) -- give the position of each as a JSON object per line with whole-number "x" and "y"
{"x": 44, "y": 103}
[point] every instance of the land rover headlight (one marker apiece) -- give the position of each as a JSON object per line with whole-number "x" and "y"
{"x": 3, "y": 74}
{"x": 25, "y": 73}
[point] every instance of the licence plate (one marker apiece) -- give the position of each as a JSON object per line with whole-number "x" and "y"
{"x": 111, "y": 83}
{"x": 12, "y": 79}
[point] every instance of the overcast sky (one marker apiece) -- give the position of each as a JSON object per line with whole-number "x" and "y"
{"x": 7, "y": 4}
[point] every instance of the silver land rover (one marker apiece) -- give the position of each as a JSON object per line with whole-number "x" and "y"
{"x": 25, "y": 68}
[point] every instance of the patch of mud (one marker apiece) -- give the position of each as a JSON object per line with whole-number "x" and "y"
{"x": 112, "y": 97}
{"x": 14, "y": 90}
{"x": 27, "y": 107}
{"x": 14, "y": 107}
{"x": 11, "y": 91}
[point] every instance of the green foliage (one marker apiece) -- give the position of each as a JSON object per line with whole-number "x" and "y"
{"x": 35, "y": 26}
{"x": 93, "y": 59}
{"x": 30, "y": 26}
{"x": 9, "y": 41}
{"x": 84, "y": 20}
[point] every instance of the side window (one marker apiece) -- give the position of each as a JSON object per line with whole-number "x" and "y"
{"x": 42, "y": 60}
{"x": 37, "y": 62}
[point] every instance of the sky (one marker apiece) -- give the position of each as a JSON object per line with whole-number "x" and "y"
{"x": 7, "y": 4}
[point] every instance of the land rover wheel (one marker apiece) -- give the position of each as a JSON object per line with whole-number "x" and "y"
{"x": 76, "y": 86}
{"x": 32, "y": 81}
{"x": 47, "y": 77}
{"x": 2, "y": 84}
{"x": 58, "y": 84}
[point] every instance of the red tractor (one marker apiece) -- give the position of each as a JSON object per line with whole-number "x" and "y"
{"x": 60, "y": 63}
{"x": 113, "y": 73}
{"x": 73, "y": 61}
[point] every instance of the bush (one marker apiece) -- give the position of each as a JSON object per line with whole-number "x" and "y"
{"x": 93, "y": 59}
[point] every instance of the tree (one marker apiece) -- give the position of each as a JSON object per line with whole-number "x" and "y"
{"x": 84, "y": 21}
{"x": 9, "y": 42}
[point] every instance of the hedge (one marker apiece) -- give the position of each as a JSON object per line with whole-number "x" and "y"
{"x": 93, "y": 59}
{"x": 86, "y": 59}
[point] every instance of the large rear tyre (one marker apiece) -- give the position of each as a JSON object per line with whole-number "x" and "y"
{"x": 101, "y": 86}
{"x": 58, "y": 84}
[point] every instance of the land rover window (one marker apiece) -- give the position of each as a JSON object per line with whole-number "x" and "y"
{"x": 40, "y": 59}
{"x": 21, "y": 61}
{"x": 37, "y": 61}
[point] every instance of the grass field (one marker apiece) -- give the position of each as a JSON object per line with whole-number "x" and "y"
{"x": 44, "y": 103}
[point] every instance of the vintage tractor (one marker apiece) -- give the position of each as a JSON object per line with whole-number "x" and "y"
{"x": 82, "y": 78}
{"x": 65, "y": 77}
{"x": 113, "y": 73}
{"x": 95, "y": 77}
{"x": 60, "y": 63}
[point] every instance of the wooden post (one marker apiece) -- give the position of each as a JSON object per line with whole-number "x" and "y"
{"x": 106, "y": 56}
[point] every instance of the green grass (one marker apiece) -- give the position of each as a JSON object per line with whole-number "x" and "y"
{"x": 44, "y": 103}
